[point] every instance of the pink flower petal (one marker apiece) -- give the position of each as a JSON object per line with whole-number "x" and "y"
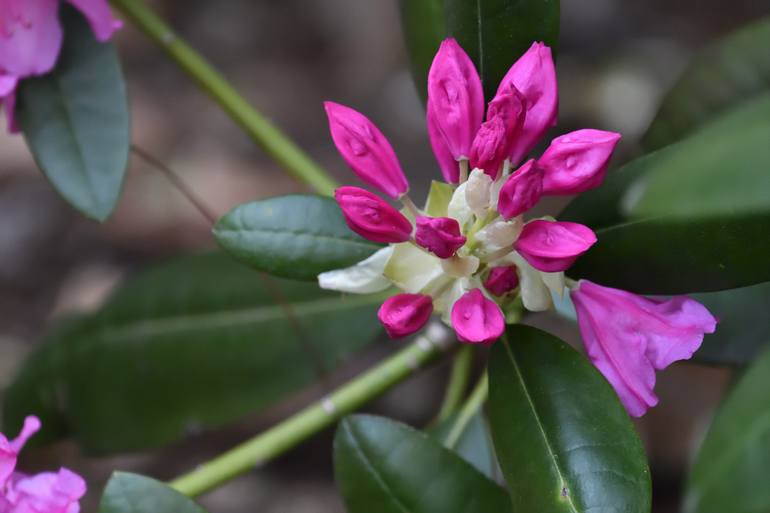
{"x": 446, "y": 162}
{"x": 502, "y": 280}
{"x": 552, "y": 246}
{"x": 534, "y": 76}
{"x": 404, "y": 314}
{"x": 521, "y": 191}
{"x": 30, "y": 36}
{"x": 455, "y": 100}
{"x": 366, "y": 150}
{"x": 48, "y": 492}
{"x": 8, "y": 105}
{"x": 494, "y": 140}
{"x": 99, "y": 16}
{"x": 476, "y": 319}
{"x": 30, "y": 427}
{"x": 628, "y": 337}
{"x": 577, "y": 161}
{"x": 7, "y": 461}
{"x": 372, "y": 217}
{"x": 439, "y": 235}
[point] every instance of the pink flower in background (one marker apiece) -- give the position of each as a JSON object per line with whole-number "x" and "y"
{"x": 629, "y": 337}
{"x": 31, "y": 38}
{"x": 46, "y": 492}
{"x": 471, "y": 253}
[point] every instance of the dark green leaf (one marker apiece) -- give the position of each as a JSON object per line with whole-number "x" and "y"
{"x": 132, "y": 493}
{"x": 474, "y": 444}
{"x": 76, "y": 122}
{"x": 735, "y": 69}
{"x": 731, "y": 470}
{"x": 493, "y": 32}
{"x": 186, "y": 346}
{"x": 691, "y": 217}
{"x": 563, "y": 439}
{"x": 742, "y": 333}
{"x": 297, "y": 236}
{"x": 382, "y": 466}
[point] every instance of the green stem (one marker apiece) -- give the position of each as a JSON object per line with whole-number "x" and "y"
{"x": 458, "y": 382}
{"x": 309, "y": 421}
{"x": 470, "y": 408}
{"x": 270, "y": 138}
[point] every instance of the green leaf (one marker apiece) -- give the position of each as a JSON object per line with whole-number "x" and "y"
{"x": 382, "y": 466}
{"x": 296, "y": 236}
{"x": 132, "y": 493}
{"x": 184, "y": 347}
{"x": 474, "y": 444}
{"x": 493, "y": 32}
{"x": 691, "y": 217}
{"x": 739, "y": 337}
{"x": 563, "y": 439}
{"x": 76, "y": 121}
{"x": 733, "y": 70}
{"x": 730, "y": 472}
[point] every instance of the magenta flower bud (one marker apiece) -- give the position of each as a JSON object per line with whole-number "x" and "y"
{"x": 577, "y": 161}
{"x": 446, "y": 162}
{"x": 439, "y": 235}
{"x": 455, "y": 100}
{"x": 404, "y": 314}
{"x": 495, "y": 138}
{"x": 476, "y": 319}
{"x": 372, "y": 217}
{"x": 502, "y": 280}
{"x": 534, "y": 76}
{"x": 553, "y": 246}
{"x": 629, "y": 337}
{"x": 366, "y": 150}
{"x": 521, "y": 191}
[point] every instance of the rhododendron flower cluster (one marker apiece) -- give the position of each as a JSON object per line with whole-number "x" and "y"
{"x": 31, "y": 38}
{"x": 471, "y": 254}
{"x": 46, "y": 492}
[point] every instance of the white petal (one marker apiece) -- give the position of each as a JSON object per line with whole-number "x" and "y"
{"x": 499, "y": 234}
{"x": 412, "y": 269}
{"x": 460, "y": 267}
{"x": 366, "y": 277}
{"x": 554, "y": 282}
{"x": 534, "y": 292}
{"x": 458, "y": 208}
{"x": 478, "y": 192}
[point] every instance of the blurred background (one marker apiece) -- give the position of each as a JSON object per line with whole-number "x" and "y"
{"x": 615, "y": 61}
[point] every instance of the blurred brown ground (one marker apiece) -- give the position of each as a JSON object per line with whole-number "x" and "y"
{"x": 616, "y": 59}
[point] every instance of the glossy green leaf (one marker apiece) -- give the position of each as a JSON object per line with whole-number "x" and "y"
{"x": 296, "y": 236}
{"x": 474, "y": 444}
{"x": 493, "y": 32}
{"x": 76, "y": 121}
{"x": 691, "y": 217}
{"x": 132, "y": 493}
{"x": 382, "y": 466}
{"x": 733, "y": 70}
{"x": 564, "y": 441}
{"x": 731, "y": 470}
{"x": 742, "y": 333}
{"x": 184, "y": 347}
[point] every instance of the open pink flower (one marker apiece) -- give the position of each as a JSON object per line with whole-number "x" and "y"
{"x": 31, "y": 38}
{"x": 629, "y": 337}
{"x": 46, "y": 492}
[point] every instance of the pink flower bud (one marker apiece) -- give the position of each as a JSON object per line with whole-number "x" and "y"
{"x": 502, "y": 280}
{"x": 521, "y": 191}
{"x": 494, "y": 140}
{"x": 405, "y": 314}
{"x": 372, "y": 217}
{"x": 535, "y": 77}
{"x": 366, "y": 150}
{"x": 577, "y": 161}
{"x": 629, "y": 337}
{"x": 449, "y": 166}
{"x": 476, "y": 319}
{"x": 439, "y": 235}
{"x": 455, "y": 100}
{"x": 552, "y": 246}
